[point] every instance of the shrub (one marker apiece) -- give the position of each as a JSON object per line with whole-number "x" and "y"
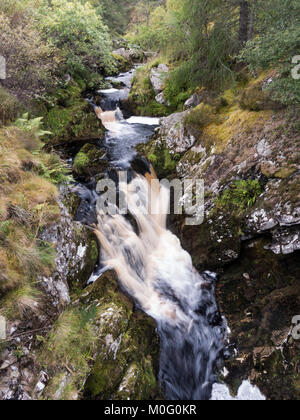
{"x": 30, "y": 60}
{"x": 201, "y": 116}
{"x": 79, "y": 32}
{"x": 9, "y": 107}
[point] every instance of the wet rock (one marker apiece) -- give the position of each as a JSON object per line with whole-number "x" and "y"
{"x": 261, "y": 323}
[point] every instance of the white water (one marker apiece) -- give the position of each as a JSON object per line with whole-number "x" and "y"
{"x": 246, "y": 392}
{"x": 143, "y": 120}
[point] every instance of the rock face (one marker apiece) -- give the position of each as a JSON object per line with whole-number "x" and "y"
{"x": 249, "y": 161}
{"x": 77, "y": 249}
{"x": 174, "y": 133}
{"x": 157, "y": 78}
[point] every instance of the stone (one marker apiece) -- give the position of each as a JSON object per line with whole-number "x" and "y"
{"x": 264, "y": 148}
{"x": 193, "y": 101}
{"x": 160, "y": 98}
{"x": 157, "y": 77}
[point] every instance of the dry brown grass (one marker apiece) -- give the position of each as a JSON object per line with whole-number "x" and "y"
{"x": 28, "y": 202}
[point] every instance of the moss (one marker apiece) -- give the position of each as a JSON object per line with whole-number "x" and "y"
{"x": 163, "y": 161}
{"x": 77, "y": 122}
{"x": 256, "y": 98}
{"x": 238, "y": 121}
{"x": 284, "y": 173}
{"x": 90, "y": 161}
{"x": 122, "y": 64}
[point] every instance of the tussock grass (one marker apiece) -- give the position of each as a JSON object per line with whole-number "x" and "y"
{"x": 28, "y": 202}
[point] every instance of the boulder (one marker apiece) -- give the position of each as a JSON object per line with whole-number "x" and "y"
{"x": 158, "y": 76}
{"x": 193, "y": 101}
{"x": 160, "y": 98}
{"x": 129, "y": 54}
{"x": 112, "y": 352}
{"x": 90, "y": 161}
{"x": 173, "y": 132}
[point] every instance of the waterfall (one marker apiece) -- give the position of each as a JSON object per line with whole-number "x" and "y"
{"x": 157, "y": 272}
{"x": 154, "y": 269}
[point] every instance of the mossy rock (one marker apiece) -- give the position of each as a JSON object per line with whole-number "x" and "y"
{"x": 74, "y": 123}
{"x": 102, "y": 340}
{"x": 163, "y": 161}
{"x": 90, "y": 161}
{"x": 130, "y": 364}
{"x": 122, "y": 64}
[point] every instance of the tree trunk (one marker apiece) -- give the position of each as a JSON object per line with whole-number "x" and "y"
{"x": 244, "y": 21}
{"x": 252, "y": 20}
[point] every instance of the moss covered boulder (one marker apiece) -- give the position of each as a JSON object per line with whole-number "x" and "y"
{"x": 90, "y": 161}
{"x": 73, "y": 123}
{"x": 101, "y": 348}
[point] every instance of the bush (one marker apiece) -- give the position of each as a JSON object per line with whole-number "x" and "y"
{"x": 78, "y": 31}
{"x": 201, "y": 116}
{"x": 30, "y": 60}
{"x": 9, "y": 107}
{"x": 275, "y": 48}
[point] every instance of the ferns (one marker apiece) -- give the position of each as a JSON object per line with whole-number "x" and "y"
{"x": 240, "y": 195}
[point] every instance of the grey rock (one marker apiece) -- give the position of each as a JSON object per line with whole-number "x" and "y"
{"x": 263, "y": 148}
{"x": 173, "y": 133}
{"x": 193, "y": 101}
{"x": 158, "y": 76}
{"x": 160, "y": 98}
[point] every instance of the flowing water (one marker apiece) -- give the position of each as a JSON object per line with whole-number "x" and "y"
{"x": 153, "y": 267}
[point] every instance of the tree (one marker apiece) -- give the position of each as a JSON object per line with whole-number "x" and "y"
{"x": 244, "y": 21}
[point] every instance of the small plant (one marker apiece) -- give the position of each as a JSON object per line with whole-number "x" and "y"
{"x": 52, "y": 168}
{"x": 201, "y": 116}
{"x": 240, "y": 195}
{"x": 33, "y": 126}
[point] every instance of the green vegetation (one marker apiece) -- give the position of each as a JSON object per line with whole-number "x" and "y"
{"x": 163, "y": 161}
{"x": 240, "y": 195}
{"x": 262, "y": 34}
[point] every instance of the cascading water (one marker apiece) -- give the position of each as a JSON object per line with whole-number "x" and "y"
{"x": 154, "y": 269}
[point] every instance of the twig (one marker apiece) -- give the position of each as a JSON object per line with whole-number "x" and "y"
{"x": 23, "y": 334}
